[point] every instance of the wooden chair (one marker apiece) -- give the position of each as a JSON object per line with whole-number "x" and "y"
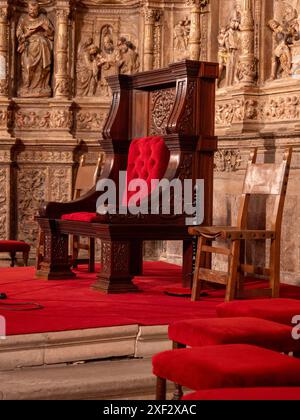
{"x": 86, "y": 178}
{"x": 260, "y": 179}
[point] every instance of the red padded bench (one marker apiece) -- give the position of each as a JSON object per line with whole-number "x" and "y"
{"x": 242, "y": 330}
{"x": 12, "y": 247}
{"x": 224, "y": 366}
{"x": 277, "y": 310}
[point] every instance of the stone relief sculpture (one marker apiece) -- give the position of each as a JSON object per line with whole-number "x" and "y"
{"x": 285, "y": 34}
{"x": 94, "y": 65}
{"x": 229, "y": 44}
{"x": 87, "y": 68}
{"x": 181, "y": 38}
{"x": 35, "y": 35}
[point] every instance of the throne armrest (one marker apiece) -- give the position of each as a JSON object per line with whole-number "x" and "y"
{"x": 86, "y": 203}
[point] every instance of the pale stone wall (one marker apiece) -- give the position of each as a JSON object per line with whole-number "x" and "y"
{"x": 258, "y": 99}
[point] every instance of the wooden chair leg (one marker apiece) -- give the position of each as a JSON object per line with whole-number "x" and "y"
{"x": 241, "y": 275}
{"x": 275, "y": 267}
{"x": 25, "y": 258}
{"x": 39, "y": 250}
{"x": 233, "y": 271}
{"x": 198, "y": 264}
{"x": 13, "y": 258}
{"x": 178, "y": 393}
{"x": 161, "y": 389}
{"x": 91, "y": 255}
{"x": 74, "y": 250}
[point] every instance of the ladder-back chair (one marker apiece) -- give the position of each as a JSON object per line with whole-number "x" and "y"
{"x": 86, "y": 178}
{"x": 260, "y": 179}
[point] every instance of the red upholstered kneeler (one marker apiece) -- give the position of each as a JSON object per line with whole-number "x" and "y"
{"x": 224, "y": 366}
{"x": 243, "y": 330}
{"x": 250, "y": 394}
{"x": 278, "y": 310}
{"x": 12, "y": 247}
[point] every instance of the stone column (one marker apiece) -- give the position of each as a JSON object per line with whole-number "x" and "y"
{"x": 150, "y": 17}
{"x": 246, "y": 71}
{"x": 195, "y": 34}
{"x": 61, "y": 50}
{"x": 3, "y": 48}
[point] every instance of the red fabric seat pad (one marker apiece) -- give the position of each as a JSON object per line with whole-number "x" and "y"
{"x": 277, "y": 310}
{"x": 227, "y": 366}
{"x": 148, "y": 159}
{"x": 80, "y": 217}
{"x": 13, "y": 246}
{"x": 250, "y": 394}
{"x": 243, "y": 330}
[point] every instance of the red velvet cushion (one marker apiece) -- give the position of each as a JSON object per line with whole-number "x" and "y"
{"x": 80, "y": 217}
{"x": 11, "y": 246}
{"x": 250, "y": 394}
{"x": 148, "y": 159}
{"x": 227, "y": 366}
{"x": 278, "y": 310}
{"x": 214, "y": 331}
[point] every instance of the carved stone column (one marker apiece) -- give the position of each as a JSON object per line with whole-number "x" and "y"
{"x": 195, "y": 34}
{"x": 61, "y": 50}
{"x": 246, "y": 71}
{"x": 3, "y": 48}
{"x": 150, "y": 17}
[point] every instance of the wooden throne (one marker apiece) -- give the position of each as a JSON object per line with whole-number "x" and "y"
{"x": 177, "y": 104}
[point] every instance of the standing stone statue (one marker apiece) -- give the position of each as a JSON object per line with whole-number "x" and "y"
{"x": 282, "y": 57}
{"x": 35, "y": 35}
{"x": 87, "y": 68}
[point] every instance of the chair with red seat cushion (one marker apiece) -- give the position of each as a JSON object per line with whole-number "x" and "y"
{"x": 151, "y": 141}
{"x": 278, "y": 310}
{"x": 224, "y": 366}
{"x": 12, "y": 247}
{"x": 242, "y": 330}
{"x": 246, "y": 394}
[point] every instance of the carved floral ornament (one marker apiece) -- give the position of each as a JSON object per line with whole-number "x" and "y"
{"x": 271, "y": 109}
{"x": 227, "y": 160}
{"x": 199, "y": 3}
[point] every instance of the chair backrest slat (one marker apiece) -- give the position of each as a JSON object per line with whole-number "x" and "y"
{"x": 87, "y": 176}
{"x": 265, "y": 179}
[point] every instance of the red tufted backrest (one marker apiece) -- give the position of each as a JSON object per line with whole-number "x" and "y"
{"x": 148, "y": 159}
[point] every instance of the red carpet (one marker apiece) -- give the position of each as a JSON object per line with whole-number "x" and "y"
{"x": 72, "y": 304}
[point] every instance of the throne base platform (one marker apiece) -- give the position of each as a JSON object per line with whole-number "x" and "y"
{"x": 86, "y": 344}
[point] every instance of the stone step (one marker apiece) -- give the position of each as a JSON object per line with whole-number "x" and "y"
{"x": 52, "y": 348}
{"x": 111, "y": 379}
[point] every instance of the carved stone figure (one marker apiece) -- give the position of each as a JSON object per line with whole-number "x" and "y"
{"x": 87, "y": 68}
{"x": 282, "y": 57}
{"x": 181, "y": 35}
{"x": 229, "y": 44}
{"x": 222, "y": 53}
{"x": 35, "y": 36}
{"x": 130, "y": 62}
{"x": 109, "y": 60}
